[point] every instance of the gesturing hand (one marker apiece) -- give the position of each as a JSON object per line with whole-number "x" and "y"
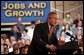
{"x": 51, "y": 47}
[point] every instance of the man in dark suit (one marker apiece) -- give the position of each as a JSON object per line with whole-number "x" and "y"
{"x": 44, "y": 38}
{"x": 15, "y": 32}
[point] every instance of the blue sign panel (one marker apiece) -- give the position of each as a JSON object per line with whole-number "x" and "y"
{"x": 28, "y": 10}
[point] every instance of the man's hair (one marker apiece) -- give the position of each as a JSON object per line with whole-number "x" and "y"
{"x": 68, "y": 13}
{"x": 32, "y": 22}
{"x": 25, "y": 30}
{"x": 50, "y": 14}
{"x": 19, "y": 17}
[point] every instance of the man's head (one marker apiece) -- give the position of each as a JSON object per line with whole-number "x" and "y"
{"x": 7, "y": 41}
{"x": 25, "y": 32}
{"x": 2, "y": 41}
{"x": 68, "y": 15}
{"x": 52, "y": 18}
{"x": 15, "y": 28}
{"x": 38, "y": 21}
{"x": 78, "y": 15}
{"x": 24, "y": 50}
{"x": 19, "y": 20}
{"x": 6, "y": 51}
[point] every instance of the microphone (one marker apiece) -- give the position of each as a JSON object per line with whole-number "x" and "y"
{"x": 72, "y": 37}
{"x": 69, "y": 34}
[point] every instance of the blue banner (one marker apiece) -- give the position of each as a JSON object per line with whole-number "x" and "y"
{"x": 28, "y": 10}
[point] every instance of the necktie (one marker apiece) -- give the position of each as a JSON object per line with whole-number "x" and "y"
{"x": 51, "y": 33}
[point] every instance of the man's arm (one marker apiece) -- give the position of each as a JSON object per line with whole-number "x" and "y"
{"x": 37, "y": 36}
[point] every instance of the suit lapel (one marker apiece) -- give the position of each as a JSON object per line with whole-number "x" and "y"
{"x": 45, "y": 29}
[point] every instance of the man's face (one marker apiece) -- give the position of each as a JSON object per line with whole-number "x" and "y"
{"x": 78, "y": 16}
{"x": 53, "y": 20}
{"x": 7, "y": 41}
{"x": 68, "y": 15}
{"x": 63, "y": 33}
{"x": 80, "y": 23}
{"x": 19, "y": 20}
{"x": 6, "y": 51}
{"x": 2, "y": 41}
{"x": 15, "y": 29}
{"x": 24, "y": 33}
{"x": 24, "y": 51}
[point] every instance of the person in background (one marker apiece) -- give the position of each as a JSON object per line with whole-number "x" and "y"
{"x": 28, "y": 42}
{"x": 20, "y": 25}
{"x": 15, "y": 32}
{"x": 31, "y": 29}
{"x": 6, "y": 50}
{"x": 61, "y": 40}
{"x": 25, "y": 35}
{"x": 23, "y": 41}
{"x": 16, "y": 49}
{"x": 77, "y": 27}
{"x": 80, "y": 41}
{"x": 7, "y": 41}
{"x": 12, "y": 39}
{"x": 12, "y": 42}
{"x": 59, "y": 28}
{"x": 2, "y": 45}
{"x": 24, "y": 50}
{"x": 68, "y": 19}
{"x": 77, "y": 19}
{"x": 67, "y": 30}
{"x": 19, "y": 41}
{"x": 66, "y": 44}
{"x": 38, "y": 21}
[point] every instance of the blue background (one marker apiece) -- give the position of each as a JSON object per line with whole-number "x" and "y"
{"x": 5, "y": 19}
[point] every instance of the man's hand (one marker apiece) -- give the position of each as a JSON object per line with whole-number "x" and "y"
{"x": 51, "y": 47}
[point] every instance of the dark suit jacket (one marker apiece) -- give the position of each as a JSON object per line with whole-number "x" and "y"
{"x": 40, "y": 39}
{"x": 17, "y": 35}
